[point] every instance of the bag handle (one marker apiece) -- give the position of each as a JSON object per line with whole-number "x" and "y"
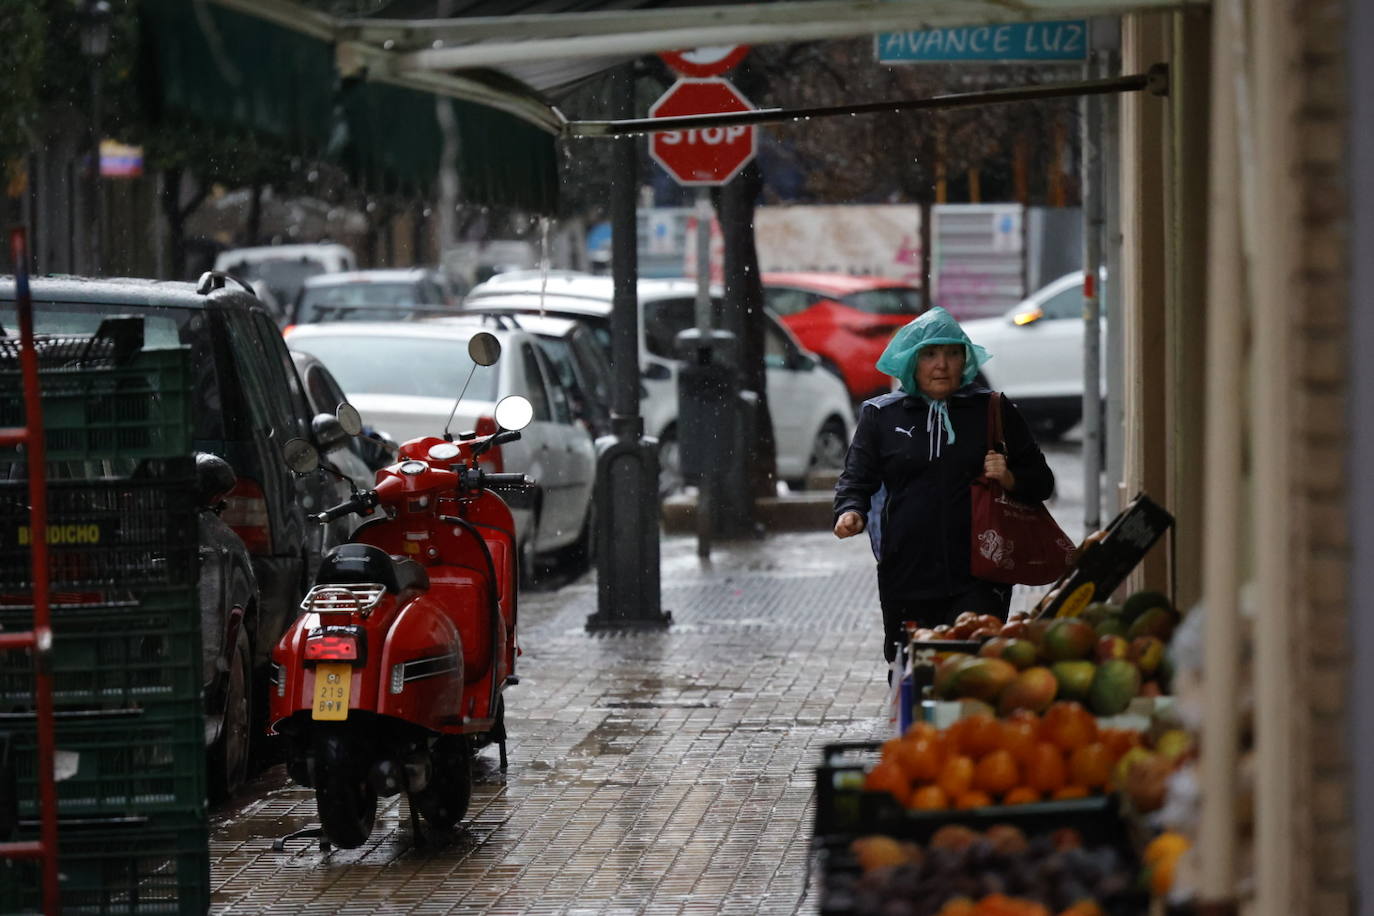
{"x": 996, "y": 440}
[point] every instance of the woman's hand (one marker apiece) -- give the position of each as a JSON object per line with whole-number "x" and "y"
{"x": 995, "y": 468}
{"x": 849, "y": 524}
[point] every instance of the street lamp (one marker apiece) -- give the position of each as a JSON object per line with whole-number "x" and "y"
{"x": 95, "y": 44}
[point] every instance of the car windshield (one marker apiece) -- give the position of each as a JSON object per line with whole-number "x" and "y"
{"x": 893, "y": 301}
{"x": 163, "y": 327}
{"x": 357, "y": 301}
{"x": 414, "y": 366}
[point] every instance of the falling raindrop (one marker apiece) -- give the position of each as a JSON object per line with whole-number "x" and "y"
{"x": 388, "y": 45}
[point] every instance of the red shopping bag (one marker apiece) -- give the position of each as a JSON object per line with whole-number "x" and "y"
{"x": 1013, "y": 541}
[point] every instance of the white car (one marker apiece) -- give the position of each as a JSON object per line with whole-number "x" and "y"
{"x": 1037, "y": 354}
{"x": 404, "y": 377}
{"x": 812, "y": 416}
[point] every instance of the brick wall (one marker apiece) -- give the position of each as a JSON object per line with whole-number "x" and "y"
{"x": 1325, "y": 883}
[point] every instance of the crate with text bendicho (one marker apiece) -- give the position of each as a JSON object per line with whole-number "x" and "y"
{"x": 1107, "y": 558}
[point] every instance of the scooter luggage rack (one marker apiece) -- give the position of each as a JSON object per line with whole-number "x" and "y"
{"x": 343, "y": 599}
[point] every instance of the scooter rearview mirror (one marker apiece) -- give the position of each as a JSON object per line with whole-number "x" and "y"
{"x": 514, "y": 412}
{"x": 349, "y": 418}
{"x": 300, "y": 455}
{"x": 484, "y": 348}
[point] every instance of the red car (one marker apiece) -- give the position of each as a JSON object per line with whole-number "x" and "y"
{"x": 845, "y": 320}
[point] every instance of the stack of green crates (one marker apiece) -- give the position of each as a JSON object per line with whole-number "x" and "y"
{"x": 126, "y": 661}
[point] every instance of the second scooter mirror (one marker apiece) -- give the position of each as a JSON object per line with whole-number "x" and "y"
{"x": 514, "y": 412}
{"x": 349, "y": 418}
{"x": 484, "y": 348}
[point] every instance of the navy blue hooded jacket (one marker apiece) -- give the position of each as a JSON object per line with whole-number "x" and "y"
{"x": 925, "y": 514}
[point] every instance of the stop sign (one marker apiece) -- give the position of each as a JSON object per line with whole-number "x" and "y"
{"x": 702, "y": 155}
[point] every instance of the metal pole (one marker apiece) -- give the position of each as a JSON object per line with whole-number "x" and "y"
{"x": 1092, "y": 344}
{"x": 705, "y": 486}
{"x": 97, "y": 214}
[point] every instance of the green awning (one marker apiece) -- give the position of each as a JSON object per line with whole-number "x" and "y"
{"x": 228, "y": 71}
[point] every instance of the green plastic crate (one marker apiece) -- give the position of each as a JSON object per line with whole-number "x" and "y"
{"x": 140, "y": 408}
{"x": 157, "y": 866}
{"x": 134, "y": 764}
{"x": 124, "y": 662}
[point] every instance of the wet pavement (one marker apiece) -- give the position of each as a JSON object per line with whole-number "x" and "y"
{"x": 650, "y": 772}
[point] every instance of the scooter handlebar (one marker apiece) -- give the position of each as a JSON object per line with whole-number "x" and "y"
{"x": 362, "y": 502}
{"x": 506, "y": 480}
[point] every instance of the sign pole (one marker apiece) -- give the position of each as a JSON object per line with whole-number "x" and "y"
{"x": 705, "y": 520}
{"x": 1092, "y": 306}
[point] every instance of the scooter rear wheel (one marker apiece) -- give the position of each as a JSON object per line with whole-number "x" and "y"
{"x": 444, "y": 802}
{"x": 346, "y": 801}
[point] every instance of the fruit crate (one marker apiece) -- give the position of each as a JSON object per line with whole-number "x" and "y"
{"x": 102, "y": 534}
{"x": 115, "y": 763}
{"x": 844, "y": 810}
{"x": 129, "y": 660}
{"x": 101, "y": 406}
{"x": 146, "y": 866}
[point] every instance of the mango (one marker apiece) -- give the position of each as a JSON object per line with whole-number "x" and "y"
{"x": 947, "y": 671}
{"x": 1157, "y": 621}
{"x": 1142, "y": 601}
{"x": 1075, "y": 679}
{"x": 1068, "y": 638}
{"x": 1110, "y": 647}
{"x": 1033, "y": 689}
{"x": 1112, "y": 626}
{"x": 982, "y": 679}
{"x": 1148, "y": 654}
{"x": 1114, "y": 685}
{"x": 1020, "y": 652}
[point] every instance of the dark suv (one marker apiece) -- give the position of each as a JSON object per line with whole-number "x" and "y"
{"x": 247, "y": 401}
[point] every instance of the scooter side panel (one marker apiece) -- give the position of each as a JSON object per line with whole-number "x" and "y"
{"x": 425, "y": 644}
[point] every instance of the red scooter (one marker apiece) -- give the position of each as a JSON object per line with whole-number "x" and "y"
{"x": 392, "y": 678}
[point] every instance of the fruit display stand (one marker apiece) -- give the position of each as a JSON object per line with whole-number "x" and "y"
{"x": 877, "y": 854}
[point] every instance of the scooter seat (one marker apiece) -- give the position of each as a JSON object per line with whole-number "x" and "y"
{"x": 409, "y": 574}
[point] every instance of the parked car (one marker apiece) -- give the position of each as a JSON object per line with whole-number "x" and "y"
{"x": 355, "y": 457}
{"x": 577, "y": 357}
{"x": 283, "y": 269}
{"x": 845, "y": 320}
{"x": 405, "y": 377}
{"x": 372, "y": 295}
{"x": 1037, "y": 354}
{"x": 247, "y": 402}
{"x": 811, "y": 411}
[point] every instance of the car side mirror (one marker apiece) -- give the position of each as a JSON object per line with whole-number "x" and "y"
{"x": 214, "y": 478}
{"x": 327, "y": 432}
{"x": 657, "y": 372}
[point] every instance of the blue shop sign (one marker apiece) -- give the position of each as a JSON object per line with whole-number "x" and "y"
{"x": 1012, "y": 42}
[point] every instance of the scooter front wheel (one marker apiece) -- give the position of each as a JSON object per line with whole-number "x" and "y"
{"x": 346, "y": 800}
{"x": 445, "y": 800}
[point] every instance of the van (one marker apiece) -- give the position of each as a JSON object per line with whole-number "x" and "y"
{"x": 281, "y": 270}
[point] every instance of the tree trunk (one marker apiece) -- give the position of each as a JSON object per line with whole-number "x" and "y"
{"x": 745, "y": 316}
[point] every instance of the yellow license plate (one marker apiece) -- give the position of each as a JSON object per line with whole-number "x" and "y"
{"x": 332, "y": 682}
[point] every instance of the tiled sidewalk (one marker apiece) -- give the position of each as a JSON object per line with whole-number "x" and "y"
{"x": 661, "y": 772}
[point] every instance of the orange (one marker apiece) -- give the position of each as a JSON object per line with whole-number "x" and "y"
{"x": 1083, "y": 908}
{"x": 956, "y": 776}
{"x": 1019, "y": 737}
{"x": 1046, "y": 772}
{"x": 1120, "y": 740}
{"x": 928, "y": 798}
{"x": 920, "y": 730}
{"x": 973, "y": 798}
{"x": 1070, "y": 792}
{"x": 923, "y": 760}
{"x": 1068, "y": 725}
{"x": 996, "y": 773}
{"x": 959, "y": 906}
{"x": 1021, "y": 795}
{"x": 981, "y": 735}
{"x": 886, "y": 776}
{"x": 1091, "y": 765}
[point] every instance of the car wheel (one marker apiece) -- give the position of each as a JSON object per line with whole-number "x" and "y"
{"x": 230, "y": 753}
{"x": 669, "y": 464}
{"x": 528, "y": 563}
{"x": 827, "y": 453}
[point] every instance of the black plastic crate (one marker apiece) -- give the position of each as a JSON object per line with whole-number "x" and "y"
{"x": 147, "y": 866}
{"x": 103, "y": 407}
{"x": 127, "y": 534}
{"x": 169, "y": 609}
{"x": 123, "y": 662}
{"x": 116, "y": 764}
{"x": 844, "y": 810}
